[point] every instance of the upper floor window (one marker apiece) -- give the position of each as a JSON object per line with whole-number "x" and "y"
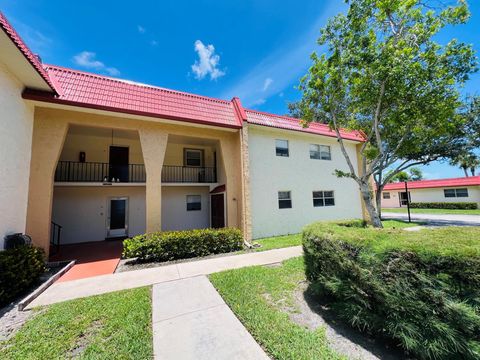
{"x": 284, "y": 200}
{"x": 193, "y": 157}
{"x": 320, "y": 152}
{"x": 323, "y": 198}
{"x": 281, "y": 147}
{"x": 386, "y": 195}
{"x": 194, "y": 202}
{"x": 450, "y": 193}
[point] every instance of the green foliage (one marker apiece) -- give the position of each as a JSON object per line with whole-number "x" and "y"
{"x": 384, "y": 74}
{"x": 172, "y": 245}
{"x": 20, "y": 268}
{"x": 445, "y": 205}
{"x": 419, "y": 289}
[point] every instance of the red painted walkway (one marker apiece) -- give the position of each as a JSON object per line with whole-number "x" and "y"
{"x": 92, "y": 258}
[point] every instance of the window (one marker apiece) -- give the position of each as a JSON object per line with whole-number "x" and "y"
{"x": 323, "y": 198}
{"x": 451, "y": 193}
{"x": 194, "y": 202}
{"x": 193, "y": 157}
{"x": 281, "y": 147}
{"x": 386, "y": 195}
{"x": 320, "y": 152}
{"x": 284, "y": 200}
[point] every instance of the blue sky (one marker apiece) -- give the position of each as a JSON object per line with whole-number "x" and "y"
{"x": 254, "y": 49}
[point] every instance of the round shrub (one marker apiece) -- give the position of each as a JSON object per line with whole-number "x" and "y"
{"x": 400, "y": 286}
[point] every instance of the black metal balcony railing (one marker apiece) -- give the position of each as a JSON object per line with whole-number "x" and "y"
{"x": 187, "y": 174}
{"x": 72, "y": 171}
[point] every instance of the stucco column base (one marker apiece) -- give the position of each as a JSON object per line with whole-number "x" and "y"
{"x": 154, "y": 143}
{"x": 47, "y": 143}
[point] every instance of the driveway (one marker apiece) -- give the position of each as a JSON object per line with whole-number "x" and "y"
{"x": 437, "y": 219}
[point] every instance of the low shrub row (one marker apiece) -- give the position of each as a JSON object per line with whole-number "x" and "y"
{"x": 172, "y": 245}
{"x": 420, "y": 290}
{"x": 20, "y": 268}
{"x": 444, "y": 205}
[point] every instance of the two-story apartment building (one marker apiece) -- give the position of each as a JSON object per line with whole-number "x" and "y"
{"x": 106, "y": 158}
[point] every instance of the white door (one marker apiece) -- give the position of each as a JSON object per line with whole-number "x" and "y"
{"x": 117, "y": 220}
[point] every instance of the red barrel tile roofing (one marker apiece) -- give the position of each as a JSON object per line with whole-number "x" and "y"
{"x": 24, "y": 49}
{"x": 423, "y": 184}
{"x": 289, "y": 123}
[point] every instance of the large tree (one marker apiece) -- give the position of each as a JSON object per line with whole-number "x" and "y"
{"x": 384, "y": 74}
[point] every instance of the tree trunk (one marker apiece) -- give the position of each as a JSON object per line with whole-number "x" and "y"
{"x": 465, "y": 170}
{"x": 378, "y": 201}
{"x": 472, "y": 170}
{"x": 368, "y": 201}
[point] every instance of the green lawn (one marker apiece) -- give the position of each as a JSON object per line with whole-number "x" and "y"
{"x": 277, "y": 242}
{"x": 433, "y": 211}
{"x": 256, "y": 295}
{"x": 111, "y": 326}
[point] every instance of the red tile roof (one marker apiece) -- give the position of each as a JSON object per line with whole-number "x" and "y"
{"x": 31, "y": 58}
{"x": 423, "y": 184}
{"x": 289, "y": 123}
{"x": 106, "y": 93}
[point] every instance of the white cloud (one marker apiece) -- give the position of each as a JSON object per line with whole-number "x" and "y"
{"x": 141, "y": 29}
{"x": 258, "y": 102}
{"x": 267, "y": 83}
{"x": 207, "y": 63}
{"x": 286, "y": 64}
{"x": 87, "y": 60}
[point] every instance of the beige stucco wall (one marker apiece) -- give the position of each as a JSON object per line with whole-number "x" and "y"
{"x": 16, "y": 124}
{"x": 431, "y": 195}
{"x": 50, "y": 130}
{"x": 174, "y": 208}
{"x": 174, "y": 154}
{"x": 97, "y": 147}
{"x": 82, "y": 211}
{"x": 301, "y": 176}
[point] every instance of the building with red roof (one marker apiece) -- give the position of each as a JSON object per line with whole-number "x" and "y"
{"x": 100, "y": 157}
{"x": 464, "y": 189}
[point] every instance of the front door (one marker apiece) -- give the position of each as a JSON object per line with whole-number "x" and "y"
{"x": 402, "y": 196}
{"x": 117, "y": 221}
{"x": 119, "y": 163}
{"x": 217, "y": 204}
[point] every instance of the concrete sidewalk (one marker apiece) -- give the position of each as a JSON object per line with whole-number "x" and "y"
{"x": 62, "y": 291}
{"x": 191, "y": 321}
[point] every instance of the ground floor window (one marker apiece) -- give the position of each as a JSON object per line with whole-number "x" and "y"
{"x": 323, "y": 198}
{"x": 386, "y": 195}
{"x": 194, "y": 202}
{"x": 449, "y": 193}
{"x": 284, "y": 200}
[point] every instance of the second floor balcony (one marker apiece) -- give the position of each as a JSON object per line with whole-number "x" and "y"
{"x": 97, "y": 172}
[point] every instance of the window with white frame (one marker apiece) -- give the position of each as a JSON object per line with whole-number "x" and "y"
{"x": 452, "y": 193}
{"x": 320, "y": 152}
{"x": 386, "y": 195}
{"x": 281, "y": 147}
{"x": 284, "y": 200}
{"x": 323, "y": 198}
{"x": 194, "y": 202}
{"x": 193, "y": 157}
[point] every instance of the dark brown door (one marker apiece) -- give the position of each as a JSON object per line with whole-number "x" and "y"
{"x": 218, "y": 210}
{"x": 119, "y": 163}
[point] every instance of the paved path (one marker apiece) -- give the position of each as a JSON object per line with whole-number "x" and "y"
{"x": 191, "y": 321}
{"x": 68, "y": 290}
{"x": 437, "y": 219}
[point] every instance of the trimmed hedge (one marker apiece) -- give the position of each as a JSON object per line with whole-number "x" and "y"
{"x": 445, "y": 205}
{"x": 20, "y": 268}
{"x": 419, "y": 289}
{"x": 172, "y": 245}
